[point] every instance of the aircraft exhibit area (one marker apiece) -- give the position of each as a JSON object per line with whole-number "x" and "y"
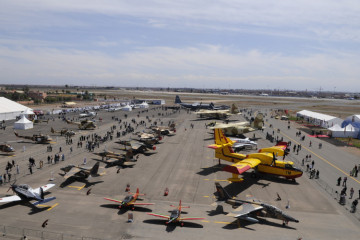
{"x": 171, "y": 172}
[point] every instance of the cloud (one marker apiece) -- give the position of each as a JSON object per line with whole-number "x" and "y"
{"x": 208, "y": 66}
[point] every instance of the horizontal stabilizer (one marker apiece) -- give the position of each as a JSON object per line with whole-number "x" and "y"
{"x": 247, "y": 218}
{"x": 44, "y": 201}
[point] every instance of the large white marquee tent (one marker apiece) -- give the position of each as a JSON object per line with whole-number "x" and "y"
{"x": 9, "y": 110}
{"x": 319, "y": 119}
{"x": 348, "y": 131}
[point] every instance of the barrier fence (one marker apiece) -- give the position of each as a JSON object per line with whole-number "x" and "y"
{"x": 9, "y": 232}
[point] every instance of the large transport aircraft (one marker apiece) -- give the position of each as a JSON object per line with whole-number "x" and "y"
{"x": 262, "y": 162}
{"x": 218, "y": 114}
{"x": 193, "y": 106}
{"x": 26, "y": 194}
{"x": 251, "y": 208}
{"x": 130, "y": 200}
{"x": 175, "y": 216}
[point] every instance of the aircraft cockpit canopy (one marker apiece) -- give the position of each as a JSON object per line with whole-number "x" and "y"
{"x": 24, "y": 186}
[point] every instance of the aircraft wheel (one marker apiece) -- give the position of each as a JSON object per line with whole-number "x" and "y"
{"x": 182, "y": 224}
{"x": 166, "y": 223}
{"x": 253, "y": 175}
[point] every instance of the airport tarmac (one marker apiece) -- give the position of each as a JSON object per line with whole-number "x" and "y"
{"x": 185, "y": 165}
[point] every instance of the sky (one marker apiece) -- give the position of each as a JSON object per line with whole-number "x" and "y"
{"x": 227, "y": 44}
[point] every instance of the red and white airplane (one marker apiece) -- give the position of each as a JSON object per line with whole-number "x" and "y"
{"x": 175, "y": 216}
{"x": 130, "y": 200}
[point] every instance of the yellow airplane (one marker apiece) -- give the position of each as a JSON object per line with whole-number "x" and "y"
{"x": 263, "y": 162}
{"x": 237, "y": 128}
{"x": 218, "y": 114}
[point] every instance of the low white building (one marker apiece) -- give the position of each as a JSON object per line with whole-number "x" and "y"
{"x": 320, "y": 119}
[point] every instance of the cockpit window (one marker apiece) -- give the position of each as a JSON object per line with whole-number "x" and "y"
{"x": 288, "y": 166}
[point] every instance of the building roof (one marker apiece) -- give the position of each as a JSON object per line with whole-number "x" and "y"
{"x": 316, "y": 115}
{"x": 8, "y": 106}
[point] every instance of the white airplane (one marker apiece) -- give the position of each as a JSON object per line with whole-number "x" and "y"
{"x": 25, "y": 193}
{"x": 88, "y": 114}
{"x": 242, "y": 143}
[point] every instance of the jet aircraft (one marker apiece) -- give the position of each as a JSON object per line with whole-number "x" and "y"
{"x": 6, "y": 148}
{"x": 136, "y": 146}
{"x": 218, "y": 114}
{"x": 262, "y": 162}
{"x": 83, "y": 125}
{"x": 111, "y": 158}
{"x": 170, "y": 130}
{"x": 37, "y": 138}
{"x": 251, "y": 206}
{"x": 73, "y": 171}
{"x": 64, "y": 132}
{"x": 24, "y": 192}
{"x": 175, "y": 216}
{"x": 130, "y": 200}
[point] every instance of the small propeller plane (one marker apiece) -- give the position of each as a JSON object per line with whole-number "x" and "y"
{"x": 64, "y": 132}
{"x": 83, "y": 125}
{"x": 6, "y": 148}
{"x": 25, "y": 193}
{"x": 218, "y": 114}
{"x": 143, "y": 136}
{"x": 130, "y": 200}
{"x": 37, "y": 138}
{"x": 175, "y": 216}
{"x": 242, "y": 143}
{"x": 251, "y": 206}
{"x": 263, "y": 162}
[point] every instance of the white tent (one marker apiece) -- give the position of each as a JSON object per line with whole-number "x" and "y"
{"x": 127, "y": 108}
{"x": 10, "y": 110}
{"x": 144, "y": 105}
{"x": 319, "y": 119}
{"x": 23, "y": 123}
{"x": 348, "y": 131}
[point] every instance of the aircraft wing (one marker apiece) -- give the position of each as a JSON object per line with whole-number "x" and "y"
{"x": 72, "y": 172}
{"x": 45, "y": 188}
{"x": 191, "y": 218}
{"x": 135, "y": 145}
{"x": 113, "y": 200}
{"x": 10, "y": 199}
{"x": 159, "y": 215}
{"x": 244, "y": 209}
{"x": 136, "y": 204}
{"x": 242, "y": 166}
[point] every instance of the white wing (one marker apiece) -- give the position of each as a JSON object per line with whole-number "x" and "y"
{"x": 10, "y": 199}
{"x": 45, "y": 188}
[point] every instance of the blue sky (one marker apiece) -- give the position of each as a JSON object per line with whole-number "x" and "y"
{"x": 281, "y": 44}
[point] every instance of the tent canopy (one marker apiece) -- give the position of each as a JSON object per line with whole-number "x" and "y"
{"x": 23, "y": 123}
{"x": 320, "y": 119}
{"x": 10, "y": 110}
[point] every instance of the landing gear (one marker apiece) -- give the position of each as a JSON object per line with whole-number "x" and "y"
{"x": 181, "y": 224}
{"x": 253, "y": 175}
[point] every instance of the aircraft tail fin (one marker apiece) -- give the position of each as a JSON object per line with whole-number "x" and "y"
{"x": 220, "y": 137}
{"x": 177, "y": 99}
{"x": 234, "y": 109}
{"x": 16, "y": 134}
{"x": 211, "y": 105}
{"x": 44, "y": 201}
{"x": 94, "y": 170}
{"x": 42, "y": 193}
{"x": 258, "y": 122}
{"x": 222, "y": 194}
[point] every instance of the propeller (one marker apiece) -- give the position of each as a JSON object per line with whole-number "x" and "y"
{"x": 12, "y": 186}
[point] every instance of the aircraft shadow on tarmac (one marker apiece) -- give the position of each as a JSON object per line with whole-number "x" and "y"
{"x": 210, "y": 170}
{"x": 137, "y": 209}
{"x": 33, "y": 209}
{"x": 245, "y": 224}
{"x": 72, "y": 180}
{"x": 144, "y": 153}
{"x": 113, "y": 164}
{"x": 218, "y": 211}
{"x": 172, "y": 227}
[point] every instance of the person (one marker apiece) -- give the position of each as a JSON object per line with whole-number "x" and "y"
{"x": 17, "y": 169}
{"x": 344, "y": 182}
{"x": 351, "y": 193}
{"x": 1, "y": 181}
{"x": 317, "y": 174}
{"x": 30, "y": 169}
{"x": 338, "y": 181}
{"x": 353, "y": 205}
{"x": 4, "y": 176}
{"x": 310, "y": 144}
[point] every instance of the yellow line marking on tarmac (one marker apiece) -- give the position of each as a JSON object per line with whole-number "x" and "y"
{"x": 103, "y": 173}
{"x": 205, "y": 221}
{"x": 223, "y": 222}
{"x": 52, "y": 142}
{"x": 217, "y": 180}
{"x": 334, "y": 166}
{"x": 205, "y": 196}
{"x": 78, "y": 188}
{"x": 52, "y": 206}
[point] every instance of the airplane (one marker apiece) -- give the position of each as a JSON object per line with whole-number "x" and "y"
{"x": 136, "y": 146}
{"x": 6, "y": 148}
{"x": 83, "y": 125}
{"x": 263, "y": 162}
{"x": 64, "y": 132}
{"x": 36, "y": 121}
{"x": 24, "y": 192}
{"x": 123, "y": 160}
{"x": 175, "y": 216}
{"x": 218, "y": 114}
{"x": 237, "y": 128}
{"x": 72, "y": 171}
{"x": 242, "y": 143}
{"x": 143, "y": 136}
{"x": 88, "y": 114}
{"x": 130, "y": 200}
{"x": 251, "y": 206}
{"x": 37, "y": 138}
{"x": 193, "y": 106}
{"x": 170, "y": 130}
